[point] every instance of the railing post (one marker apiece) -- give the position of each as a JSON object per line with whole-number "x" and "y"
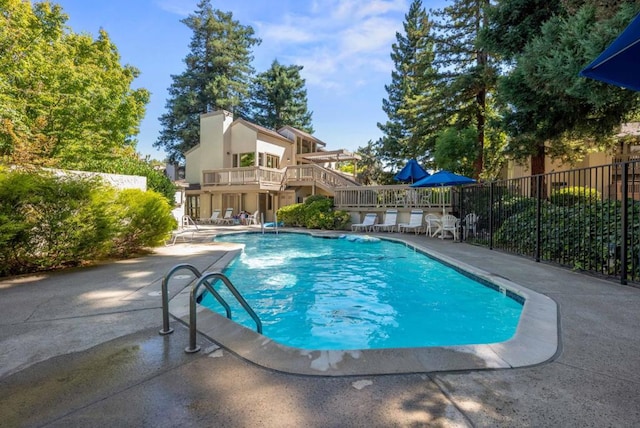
{"x": 538, "y": 216}
{"x": 624, "y": 246}
{"x": 491, "y": 187}
{"x": 166, "y": 328}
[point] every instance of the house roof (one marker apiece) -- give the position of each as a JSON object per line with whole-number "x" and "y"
{"x": 330, "y": 156}
{"x": 261, "y": 129}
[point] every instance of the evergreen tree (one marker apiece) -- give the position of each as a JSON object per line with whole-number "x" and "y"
{"x": 553, "y": 111}
{"x": 278, "y": 98}
{"x": 467, "y": 74}
{"x": 217, "y": 76}
{"x": 410, "y": 129}
{"x": 370, "y": 169}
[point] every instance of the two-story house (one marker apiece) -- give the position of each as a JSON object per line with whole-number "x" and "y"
{"x": 247, "y": 167}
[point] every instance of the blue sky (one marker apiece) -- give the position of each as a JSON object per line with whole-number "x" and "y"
{"x": 344, "y": 46}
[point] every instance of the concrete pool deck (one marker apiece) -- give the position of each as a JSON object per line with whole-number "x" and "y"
{"x": 81, "y": 348}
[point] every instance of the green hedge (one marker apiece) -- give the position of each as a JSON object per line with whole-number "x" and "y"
{"x": 569, "y": 196}
{"x": 315, "y": 213}
{"x": 49, "y": 222}
{"x": 578, "y": 235}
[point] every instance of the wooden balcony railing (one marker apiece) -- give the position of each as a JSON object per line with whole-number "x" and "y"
{"x": 259, "y": 175}
{"x": 396, "y": 196}
{"x": 628, "y": 157}
{"x": 314, "y": 173}
{"x": 241, "y": 176}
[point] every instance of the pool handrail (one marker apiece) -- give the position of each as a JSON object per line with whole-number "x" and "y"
{"x": 193, "y": 347}
{"x": 166, "y": 329}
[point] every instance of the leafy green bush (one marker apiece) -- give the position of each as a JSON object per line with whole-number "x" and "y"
{"x": 315, "y": 213}
{"x": 292, "y": 215}
{"x": 49, "y": 222}
{"x": 580, "y": 236}
{"x": 569, "y": 196}
{"x": 145, "y": 220}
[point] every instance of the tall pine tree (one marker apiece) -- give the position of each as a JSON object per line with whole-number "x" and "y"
{"x": 409, "y": 131}
{"x": 467, "y": 73}
{"x": 552, "y": 110}
{"x": 279, "y": 98}
{"x": 217, "y": 76}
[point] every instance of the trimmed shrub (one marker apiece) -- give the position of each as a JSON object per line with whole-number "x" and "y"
{"x": 580, "y": 236}
{"x": 570, "y": 196}
{"x": 292, "y": 215}
{"x": 315, "y": 213}
{"x": 49, "y": 222}
{"x": 145, "y": 220}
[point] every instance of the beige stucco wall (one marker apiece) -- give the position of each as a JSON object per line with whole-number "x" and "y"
{"x": 515, "y": 170}
{"x": 246, "y": 140}
{"x": 209, "y": 154}
{"x": 243, "y": 140}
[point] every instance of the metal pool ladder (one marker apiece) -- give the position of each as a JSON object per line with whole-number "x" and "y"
{"x": 204, "y": 279}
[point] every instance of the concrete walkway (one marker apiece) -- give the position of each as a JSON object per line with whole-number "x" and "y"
{"x": 81, "y": 348}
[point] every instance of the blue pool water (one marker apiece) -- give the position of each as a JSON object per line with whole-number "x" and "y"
{"x": 334, "y": 294}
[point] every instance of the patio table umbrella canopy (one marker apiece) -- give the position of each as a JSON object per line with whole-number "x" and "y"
{"x": 412, "y": 171}
{"x": 619, "y": 64}
{"x": 443, "y": 178}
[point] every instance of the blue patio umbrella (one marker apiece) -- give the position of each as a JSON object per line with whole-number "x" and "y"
{"x": 443, "y": 178}
{"x": 619, "y": 64}
{"x": 412, "y": 171}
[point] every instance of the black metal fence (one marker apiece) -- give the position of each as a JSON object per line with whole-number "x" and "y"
{"x": 585, "y": 219}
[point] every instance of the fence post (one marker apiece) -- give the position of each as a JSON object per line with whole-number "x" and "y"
{"x": 623, "y": 223}
{"x": 538, "y": 216}
{"x": 491, "y": 186}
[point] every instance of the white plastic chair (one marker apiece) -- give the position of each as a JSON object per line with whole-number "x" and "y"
{"x": 433, "y": 224}
{"x": 367, "y": 223}
{"x": 470, "y": 224}
{"x": 253, "y": 218}
{"x": 390, "y": 222}
{"x": 415, "y": 222}
{"x": 449, "y": 224}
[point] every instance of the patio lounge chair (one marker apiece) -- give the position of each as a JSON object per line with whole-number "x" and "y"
{"x": 213, "y": 219}
{"x": 228, "y": 217}
{"x": 415, "y": 222}
{"x": 367, "y": 223}
{"x": 390, "y": 222}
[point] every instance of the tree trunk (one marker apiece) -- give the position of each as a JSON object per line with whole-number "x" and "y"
{"x": 537, "y": 168}
{"x": 478, "y": 164}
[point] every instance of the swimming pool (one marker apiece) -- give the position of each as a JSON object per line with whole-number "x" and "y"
{"x": 336, "y": 294}
{"x": 536, "y": 339}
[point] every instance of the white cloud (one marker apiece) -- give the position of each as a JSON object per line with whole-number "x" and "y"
{"x": 340, "y": 43}
{"x": 284, "y": 33}
{"x": 358, "y": 9}
{"x": 371, "y": 35}
{"x": 178, "y": 7}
